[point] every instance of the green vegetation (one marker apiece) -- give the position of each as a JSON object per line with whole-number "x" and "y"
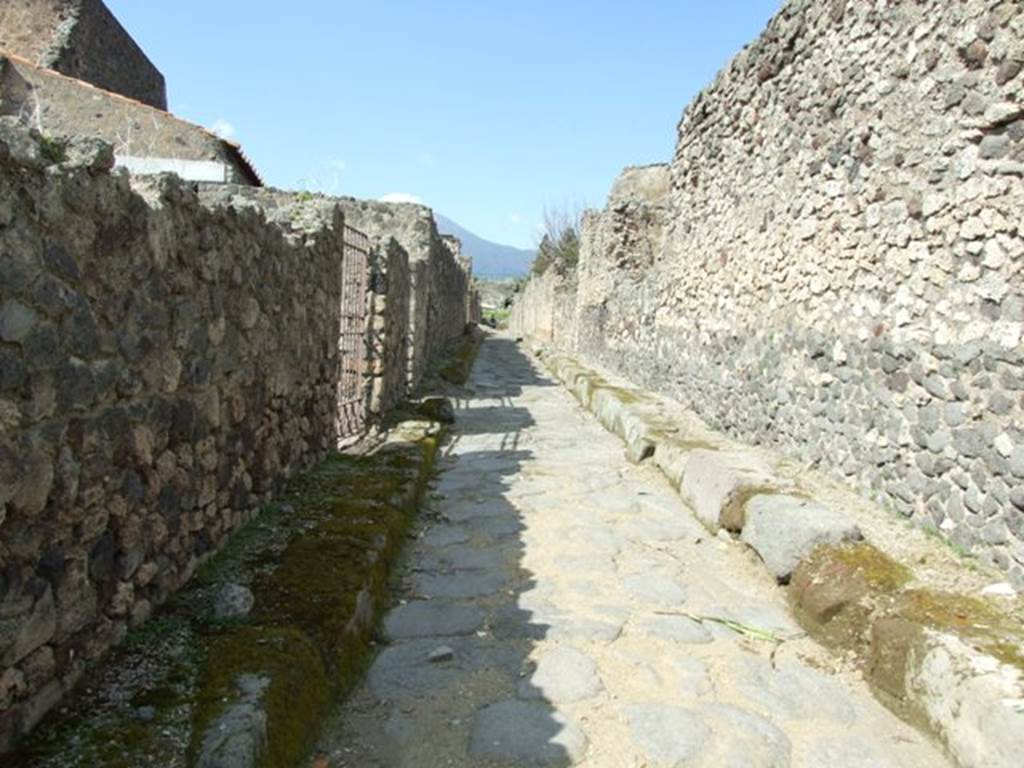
{"x": 315, "y": 612}
{"x": 53, "y": 150}
{"x": 459, "y": 363}
{"x": 975, "y": 621}
{"x": 497, "y": 318}
{"x": 559, "y": 247}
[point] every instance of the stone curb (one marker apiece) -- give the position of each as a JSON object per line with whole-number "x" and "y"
{"x": 961, "y": 679}
{"x": 726, "y": 486}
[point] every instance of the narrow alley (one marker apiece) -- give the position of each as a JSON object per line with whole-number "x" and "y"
{"x": 561, "y": 606}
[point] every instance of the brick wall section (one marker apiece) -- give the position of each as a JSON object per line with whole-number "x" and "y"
{"x": 81, "y": 39}
{"x": 836, "y": 267}
{"x": 167, "y": 360}
{"x": 61, "y": 107}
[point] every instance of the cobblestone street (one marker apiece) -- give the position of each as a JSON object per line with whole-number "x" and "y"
{"x": 563, "y": 606}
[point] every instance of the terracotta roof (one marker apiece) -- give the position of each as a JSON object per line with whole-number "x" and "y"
{"x": 234, "y": 148}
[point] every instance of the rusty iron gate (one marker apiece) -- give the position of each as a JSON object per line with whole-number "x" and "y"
{"x": 352, "y": 347}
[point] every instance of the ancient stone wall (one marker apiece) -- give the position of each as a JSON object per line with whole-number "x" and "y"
{"x": 438, "y": 282}
{"x": 545, "y": 310}
{"x": 389, "y": 326}
{"x": 836, "y": 267}
{"x": 81, "y": 39}
{"x": 167, "y": 360}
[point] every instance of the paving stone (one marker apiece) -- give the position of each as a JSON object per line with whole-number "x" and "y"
{"x": 515, "y": 623}
{"x": 784, "y": 530}
{"x": 497, "y": 526}
{"x": 461, "y": 584}
{"x": 432, "y": 618}
{"x": 525, "y": 734}
{"x": 680, "y": 629}
{"x": 576, "y": 628}
{"x": 464, "y": 511}
{"x": 745, "y": 739}
{"x": 474, "y": 559}
{"x": 404, "y": 670}
{"x": 845, "y": 752}
{"x": 792, "y": 691}
{"x": 441, "y": 654}
{"x": 660, "y": 530}
{"x": 444, "y": 535}
{"x": 693, "y": 676}
{"x": 670, "y": 736}
{"x": 563, "y": 674}
{"x": 652, "y": 588}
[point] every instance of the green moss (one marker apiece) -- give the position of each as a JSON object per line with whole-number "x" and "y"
{"x": 435, "y": 409}
{"x": 1008, "y": 653}
{"x": 623, "y": 395}
{"x": 315, "y": 611}
{"x": 836, "y": 591}
{"x": 295, "y": 702}
{"x": 458, "y": 365}
{"x": 212, "y": 571}
{"x": 975, "y": 621}
{"x": 53, "y": 150}
{"x": 879, "y": 571}
{"x": 154, "y": 629}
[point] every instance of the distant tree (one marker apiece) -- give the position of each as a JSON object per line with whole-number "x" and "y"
{"x": 559, "y": 246}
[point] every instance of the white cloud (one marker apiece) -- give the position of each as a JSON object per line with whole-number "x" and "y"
{"x": 400, "y": 197}
{"x": 222, "y": 128}
{"x": 426, "y": 158}
{"x": 515, "y": 219}
{"x": 338, "y": 165}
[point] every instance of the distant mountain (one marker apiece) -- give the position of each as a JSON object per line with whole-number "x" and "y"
{"x": 490, "y": 260}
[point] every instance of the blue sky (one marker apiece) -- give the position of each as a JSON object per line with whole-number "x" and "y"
{"x": 488, "y": 111}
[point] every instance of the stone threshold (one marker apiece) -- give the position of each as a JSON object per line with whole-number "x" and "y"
{"x": 948, "y": 663}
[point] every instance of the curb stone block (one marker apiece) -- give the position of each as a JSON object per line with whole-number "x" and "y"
{"x": 784, "y": 530}
{"x": 838, "y": 591}
{"x": 607, "y": 406}
{"x": 953, "y": 665}
{"x": 973, "y": 700}
{"x": 636, "y": 432}
{"x": 715, "y": 483}
{"x": 671, "y": 458}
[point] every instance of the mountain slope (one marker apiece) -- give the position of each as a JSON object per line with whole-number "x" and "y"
{"x": 490, "y": 260}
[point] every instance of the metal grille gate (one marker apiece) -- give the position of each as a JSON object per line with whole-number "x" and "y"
{"x": 352, "y": 389}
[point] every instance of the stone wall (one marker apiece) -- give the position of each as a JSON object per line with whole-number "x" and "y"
{"x": 81, "y": 39}
{"x": 167, "y": 360}
{"x": 169, "y": 356}
{"x": 61, "y": 107}
{"x": 439, "y": 283}
{"x": 389, "y": 327}
{"x": 835, "y": 267}
{"x": 545, "y": 310}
